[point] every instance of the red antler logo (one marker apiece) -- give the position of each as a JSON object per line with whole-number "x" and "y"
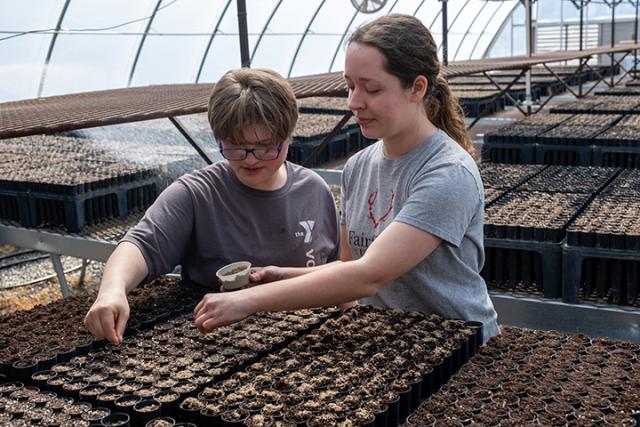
{"x": 370, "y": 201}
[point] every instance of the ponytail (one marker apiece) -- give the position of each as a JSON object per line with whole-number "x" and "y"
{"x": 444, "y": 111}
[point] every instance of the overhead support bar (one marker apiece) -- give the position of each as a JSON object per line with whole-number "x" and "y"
{"x": 445, "y": 30}
{"x": 528, "y": 100}
{"x": 244, "y": 33}
{"x": 195, "y": 144}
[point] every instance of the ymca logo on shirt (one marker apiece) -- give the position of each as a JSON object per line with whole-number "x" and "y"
{"x": 308, "y": 227}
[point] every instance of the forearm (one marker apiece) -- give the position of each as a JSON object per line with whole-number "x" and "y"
{"x": 290, "y": 272}
{"x": 342, "y": 283}
{"x": 124, "y": 270}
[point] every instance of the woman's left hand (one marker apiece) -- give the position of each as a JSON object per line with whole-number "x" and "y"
{"x": 215, "y": 310}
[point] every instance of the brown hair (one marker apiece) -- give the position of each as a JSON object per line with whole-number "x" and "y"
{"x": 410, "y": 51}
{"x": 249, "y": 96}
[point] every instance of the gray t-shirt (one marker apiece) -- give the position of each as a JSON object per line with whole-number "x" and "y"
{"x": 436, "y": 188}
{"x": 208, "y": 218}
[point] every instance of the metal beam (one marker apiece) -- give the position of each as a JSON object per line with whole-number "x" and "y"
{"x": 548, "y": 314}
{"x": 243, "y": 33}
{"x": 327, "y": 139}
{"x": 51, "y": 46}
{"x": 141, "y": 45}
{"x": 266, "y": 26}
{"x": 473, "y": 21}
{"x": 455, "y": 19}
{"x": 529, "y": 39}
{"x": 57, "y": 266}
{"x": 344, "y": 34}
{"x": 304, "y": 35}
{"x": 213, "y": 35}
{"x": 54, "y": 243}
{"x": 484, "y": 29}
{"x": 445, "y": 30}
{"x": 635, "y": 40}
{"x": 191, "y": 140}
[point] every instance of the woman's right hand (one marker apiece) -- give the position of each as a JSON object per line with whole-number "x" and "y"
{"x": 107, "y": 317}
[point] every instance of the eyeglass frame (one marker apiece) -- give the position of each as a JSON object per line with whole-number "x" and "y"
{"x": 249, "y": 150}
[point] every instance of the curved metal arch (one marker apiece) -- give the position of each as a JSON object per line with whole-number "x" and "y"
{"x": 489, "y": 22}
{"x": 455, "y": 55}
{"x": 450, "y": 25}
{"x": 415, "y": 12}
{"x": 43, "y": 77}
{"x": 306, "y": 31}
{"x": 435, "y": 18}
{"x": 344, "y": 34}
{"x": 266, "y": 25}
{"x": 213, "y": 34}
{"x": 392, "y": 6}
{"x": 144, "y": 37}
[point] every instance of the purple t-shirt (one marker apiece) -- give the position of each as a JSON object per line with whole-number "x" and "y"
{"x": 208, "y": 218}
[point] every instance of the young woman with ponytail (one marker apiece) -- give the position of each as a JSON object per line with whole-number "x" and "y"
{"x": 412, "y": 221}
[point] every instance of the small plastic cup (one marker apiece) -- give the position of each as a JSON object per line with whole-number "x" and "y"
{"x": 235, "y": 275}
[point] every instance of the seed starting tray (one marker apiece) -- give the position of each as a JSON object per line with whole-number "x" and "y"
{"x": 506, "y": 176}
{"x": 601, "y": 105}
{"x": 38, "y": 208}
{"x": 52, "y": 180}
{"x": 570, "y": 179}
{"x": 527, "y": 377}
{"x": 312, "y": 129}
{"x": 602, "y": 256}
{"x": 173, "y": 361}
{"x": 323, "y": 105}
{"x": 523, "y": 232}
{"x": 39, "y": 338}
{"x": 369, "y": 366}
{"x": 582, "y": 140}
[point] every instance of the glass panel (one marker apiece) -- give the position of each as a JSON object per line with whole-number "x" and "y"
{"x": 462, "y": 27}
{"x": 224, "y": 55}
{"x": 197, "y": 17}
{"x": 501, "y": 46}
{"x": 330, "y": 21}
{"x": 21, "y": 68}
{"x": 481, "y": 46}
{"x": 41, "y": 15}
{"x": 429, "y": 14}
{"x": 281, "y": 39}
{"x": 407, "y": 7}
{"x": 453, "y": 41}
{"x": 193, "y": 16}
{"x": 258, "y": 12}
{"x": 476, "y": 30}
{"x": 85, "y": 63}
{"x": 519, "y": 41}
{"x": 224, "y": 52}
{"x": 315, "y": 55}
{"x": 548, "y": 11}
{"x": 276, "y": 52}
{"x": 501, "y": 19}
{"x": 98, "y": 14}
{"x": 166, "y": 59}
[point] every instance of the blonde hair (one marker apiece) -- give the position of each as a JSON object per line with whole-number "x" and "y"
{"x": 410, "y": 51}
{"x": 250, "y": 96}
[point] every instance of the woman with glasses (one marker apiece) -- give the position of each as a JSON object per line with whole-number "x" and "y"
{"x": 254, "y": 206}
{"x": 412, "y": 203}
